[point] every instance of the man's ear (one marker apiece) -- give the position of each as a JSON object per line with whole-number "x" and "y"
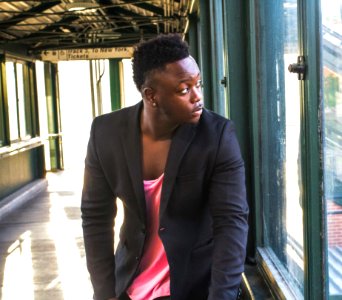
{"x": 148, "y": 93}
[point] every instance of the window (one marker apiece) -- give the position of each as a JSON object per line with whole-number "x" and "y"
{"x": 12, "y": 101}
{"x": 18, "y": 104}
{"x": 279, "y": 130}
{"x": 21, "y": 102}
{"x": 332, "y": 142}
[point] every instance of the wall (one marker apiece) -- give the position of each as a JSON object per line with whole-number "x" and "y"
{"x": 20, "y": 169}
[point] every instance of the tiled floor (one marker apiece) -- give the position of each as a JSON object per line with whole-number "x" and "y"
{"x": 41, "y": 247}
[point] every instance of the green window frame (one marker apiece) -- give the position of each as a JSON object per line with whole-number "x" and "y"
{"x": 31, "y": 99}
{"x": 314, "y": 259}
{"x": 19, "y": 104}
{"x": 243, "y": 51}
{"x": 3, "y": 115}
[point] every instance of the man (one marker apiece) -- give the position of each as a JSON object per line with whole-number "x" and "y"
{"x": 178, "y": 170}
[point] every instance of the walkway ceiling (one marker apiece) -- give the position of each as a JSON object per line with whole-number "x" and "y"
{"x": 56, "y": 24}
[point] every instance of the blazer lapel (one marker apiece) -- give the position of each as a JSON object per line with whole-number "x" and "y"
{"x": 132, "y": 145}
{"x": 180, "y": 142}
{"x": 133, "y": 152}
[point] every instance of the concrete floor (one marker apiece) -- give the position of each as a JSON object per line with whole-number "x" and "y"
{"x": 41, "y": 248}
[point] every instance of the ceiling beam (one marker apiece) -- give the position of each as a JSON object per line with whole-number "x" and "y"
{"x": 151, "y": 8}
{"x": 24, "y": 15}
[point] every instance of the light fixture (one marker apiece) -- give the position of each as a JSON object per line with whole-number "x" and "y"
{"x": 80, "y": 5}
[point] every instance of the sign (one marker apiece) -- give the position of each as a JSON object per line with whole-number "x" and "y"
{"x": 86, "y": 54}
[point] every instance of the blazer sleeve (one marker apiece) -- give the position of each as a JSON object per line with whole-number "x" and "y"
{"x": 229, "y": 209}
{"x": 98, "y": 212}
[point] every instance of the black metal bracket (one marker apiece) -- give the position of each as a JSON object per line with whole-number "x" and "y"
{"x": 298, "y": 68}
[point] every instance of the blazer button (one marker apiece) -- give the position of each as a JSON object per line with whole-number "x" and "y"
{"x": 161, "y": 228}
{"x": 137, "y": 258}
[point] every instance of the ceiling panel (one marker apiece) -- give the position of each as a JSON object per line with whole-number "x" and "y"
{"x": 51, "y": 24}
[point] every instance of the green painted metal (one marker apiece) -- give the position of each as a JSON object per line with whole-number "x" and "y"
{"x": 266, "y": 28}
{"x": 92, "y": 84}
{"x": 33, "y": 99}
{"x": 219, "y": 102}
{"x": 22, "y": 165}
{"x": 28, "y": 100}
{"x": 272, "y": 113}
{"x": 311, "y": 102}
{"x": 205, "y": 53}
{"x": 192, "y": 36}
{"x": 235, "y": 54}
{"x": 235, "y": 21}
{"x": 115, "y": 83}
{"x": 4, "y": 122}
{"x": 53, "y": 112}
{"x": 315, "y": 272}
{"x": 20, "y": 169}
{"x": 254, "y": 126}
{"x": 237, "y": 106}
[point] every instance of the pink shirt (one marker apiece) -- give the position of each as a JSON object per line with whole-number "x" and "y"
{"x": 153, "y": 279}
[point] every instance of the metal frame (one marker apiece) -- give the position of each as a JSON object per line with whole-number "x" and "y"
{"x": 205, "y": 54}
{"x": 314, "y": 238}
{"x": 219, "y": 101}
{"x": 4, "y": 123}
{"x": 235, "y": 61}
{"x": 100, "y": 24}
{"x": 115, "y": 83}
{"x": 311, "y": 147}
{"x": 54, "y": 122}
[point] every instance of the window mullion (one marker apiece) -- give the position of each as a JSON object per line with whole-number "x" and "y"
{"x": 312, "y": 154}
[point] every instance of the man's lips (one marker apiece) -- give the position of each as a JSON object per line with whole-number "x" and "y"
{"x": 198, "y": 108}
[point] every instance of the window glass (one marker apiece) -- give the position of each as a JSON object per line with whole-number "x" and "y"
{"x": 21, "y": 101}
{"x": 17, "y": 104}
{"x": 2, "y": 116}
{"x": 280, "y": 157}
{"x": 12, "y": 101}
{"x": 332, "y": 143}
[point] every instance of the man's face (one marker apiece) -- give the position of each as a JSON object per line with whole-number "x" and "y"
{"x": 178, "y": 91}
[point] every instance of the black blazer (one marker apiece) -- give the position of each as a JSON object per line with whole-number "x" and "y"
{"x": 203, "y": 209}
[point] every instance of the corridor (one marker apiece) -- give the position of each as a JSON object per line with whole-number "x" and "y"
{"x": 41, "y": 246}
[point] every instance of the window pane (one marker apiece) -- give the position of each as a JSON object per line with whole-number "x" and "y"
{"x": 2, "y": 116}
{"x": 332, "y": 78}
{"x": 280, "y": 141}
{"x": 21, "y": 101}
{"x": 12, "y": 101}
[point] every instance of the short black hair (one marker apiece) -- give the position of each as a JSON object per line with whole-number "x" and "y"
{"x": 156, "y": 53}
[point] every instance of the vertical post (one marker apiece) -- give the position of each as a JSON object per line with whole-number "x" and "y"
{"x": 238, "y": 104}
{"x": 54, "y": 123}
{"x": 205, "y": 61}
{"x": 115, "y": 83}
{"x": 219, "y": 102}
{"x": 192, "y": 36}
{"x": 35, "y": 130}
{"x": 4, "y": 124}
{"x": 314, "y": 239}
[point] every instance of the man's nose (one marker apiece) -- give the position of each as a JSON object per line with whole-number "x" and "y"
{"x": 196, "y": 94}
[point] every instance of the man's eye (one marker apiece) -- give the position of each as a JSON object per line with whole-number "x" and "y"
{"x": 199, "y": 84}
{"x": 184, "y": 91}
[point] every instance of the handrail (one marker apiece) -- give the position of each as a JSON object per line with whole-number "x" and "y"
{"x": 20, "y": 147}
